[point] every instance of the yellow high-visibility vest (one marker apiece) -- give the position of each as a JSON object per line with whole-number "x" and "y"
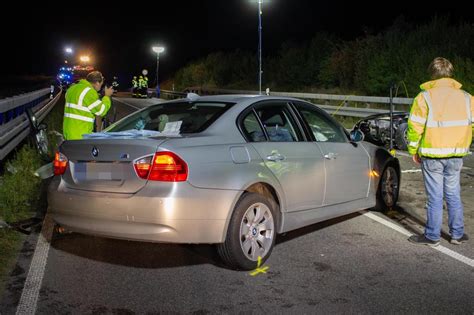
{"x": 440, "y": 122}
{"x": 81, "y": 106}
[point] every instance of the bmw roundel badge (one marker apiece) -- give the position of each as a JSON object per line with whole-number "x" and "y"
{"x": 95, "y": 152}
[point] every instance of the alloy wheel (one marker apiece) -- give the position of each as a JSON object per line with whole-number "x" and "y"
{"x": 389, "y": 186}
{"x": 257, "y": 231}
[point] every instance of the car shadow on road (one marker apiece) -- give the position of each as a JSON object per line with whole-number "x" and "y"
{"x": 159, "y": 255}
{"x": 134, "y": 253}
{"x": 412, "y": 221}
{"x": 285, "y": 237}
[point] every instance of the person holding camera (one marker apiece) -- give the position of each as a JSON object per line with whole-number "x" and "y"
{"x": 83, "y": 105}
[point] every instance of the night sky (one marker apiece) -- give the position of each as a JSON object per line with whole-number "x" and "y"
{"x": 119, "y": 37}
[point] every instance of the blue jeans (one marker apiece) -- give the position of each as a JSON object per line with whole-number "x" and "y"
{"x": 442, "y": 179}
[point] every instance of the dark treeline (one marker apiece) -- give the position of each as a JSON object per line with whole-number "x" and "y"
{"x": 365, "y": 66}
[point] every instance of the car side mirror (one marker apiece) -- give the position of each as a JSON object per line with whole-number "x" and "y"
{"x": 356, "y": 135}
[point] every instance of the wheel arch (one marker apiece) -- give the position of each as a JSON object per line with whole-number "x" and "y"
{"x": 383, "y": 159}
{"x": 268, "y": 191}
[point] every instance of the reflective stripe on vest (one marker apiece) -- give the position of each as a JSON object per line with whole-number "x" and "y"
{"x": 102, "y": 109}
{"x": 84, "y": 109}
{"x": 467, "y": 96}
{"x": 417, "y": 119}
{"x": 450, "y": 123}
{"x": 79, "y": 117}
{"x": 444, "y": 151}
{"x": 95, "y": 104}
{"x": 83, "y": 94}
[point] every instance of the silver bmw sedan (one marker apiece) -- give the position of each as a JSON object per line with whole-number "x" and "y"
{"x": 233, "y": 170}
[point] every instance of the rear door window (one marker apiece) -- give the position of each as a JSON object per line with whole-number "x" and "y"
{"x": 251, "y": 128}
{"x": 278, "y": 122}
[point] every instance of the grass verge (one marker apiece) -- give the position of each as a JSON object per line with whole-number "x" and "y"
{"x": 10, "y": 244}
{"x": 22, "y": 195}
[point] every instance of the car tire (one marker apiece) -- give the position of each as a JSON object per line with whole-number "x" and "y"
{"x": 251, "y": 233}
{"x": 401, "y": 137}
{"x": 41, "y": 140}
{"x": 388, "y": 190}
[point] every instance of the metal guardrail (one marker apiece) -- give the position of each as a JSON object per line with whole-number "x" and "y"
{"x": 172, "y": 94}
{"x": 363, "y": 104}
{"x": 14, "y": 125}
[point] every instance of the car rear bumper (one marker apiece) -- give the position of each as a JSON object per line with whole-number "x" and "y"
{"x": 160, "y": 212}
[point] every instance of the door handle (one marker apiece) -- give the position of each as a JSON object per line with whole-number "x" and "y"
{"x": 275, "y": 157}
{"x": 330, "y": 156}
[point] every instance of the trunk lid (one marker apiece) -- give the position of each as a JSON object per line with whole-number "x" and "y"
{"x": 106, "y": 165}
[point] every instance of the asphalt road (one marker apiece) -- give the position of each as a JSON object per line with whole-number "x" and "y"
{"x": 413, "y": 199}
{"x": 349, "y": 265}
{"x": 123, "y": 106}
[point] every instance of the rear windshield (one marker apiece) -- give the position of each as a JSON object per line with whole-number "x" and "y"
{"x": 186, "y": 117}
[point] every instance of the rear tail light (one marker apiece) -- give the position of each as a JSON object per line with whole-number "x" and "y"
{"x": 143, "y": 166}
{"x": 163, "y": 166}
{"x": 59, "y": 163}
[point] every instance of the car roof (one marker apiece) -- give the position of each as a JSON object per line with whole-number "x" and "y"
{"x": 234, "y": 98}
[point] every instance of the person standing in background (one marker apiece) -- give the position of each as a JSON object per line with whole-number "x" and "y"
{"x": 439, "y": 135}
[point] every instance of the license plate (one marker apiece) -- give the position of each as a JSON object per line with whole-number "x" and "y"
{"x": 97, "y": 171}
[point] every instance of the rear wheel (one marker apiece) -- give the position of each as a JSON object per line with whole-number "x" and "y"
{"x": 251, "y": 233}
{"x": 388, "y": 190}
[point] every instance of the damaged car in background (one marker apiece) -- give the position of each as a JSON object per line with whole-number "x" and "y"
{"x": 376, "y": 129}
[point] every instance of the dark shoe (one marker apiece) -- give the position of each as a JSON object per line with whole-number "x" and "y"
{"x": 459, "y": 241}
{"x": 421, "y": 239}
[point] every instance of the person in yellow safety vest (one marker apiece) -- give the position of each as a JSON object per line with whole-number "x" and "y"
{"x": 439, "y": 135}
{"x": 141, "y": 84}
{"x": 83, "y": 105}
{"x": 145, "y": 87}
{"x": 134, "y": 86}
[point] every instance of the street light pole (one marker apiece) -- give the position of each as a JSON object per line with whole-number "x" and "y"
{"x": 158, "y": 50}
{"x": 260, "y": 46}
{"x": 157, "y": 80}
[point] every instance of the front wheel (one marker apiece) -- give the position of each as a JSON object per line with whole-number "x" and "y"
{"x": 388, "y": 190}
{"x": 41, "y": 140}
{"x": 401, "y": 139}
{"x": 251, "y": 233}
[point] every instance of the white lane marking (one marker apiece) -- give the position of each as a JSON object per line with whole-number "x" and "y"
{"x": 419, "y": 170}
{"x": 455, "y": 255}
{"x": 31, "y": 290}
{"x": 440, "y": 248}
{"x": 388, "y": 223}
{"x": 412, "y": 171}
